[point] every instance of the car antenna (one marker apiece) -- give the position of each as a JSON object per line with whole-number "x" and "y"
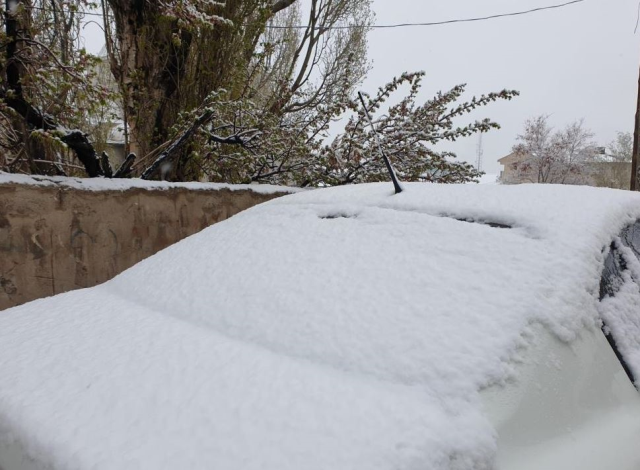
{"x": 392, "y": 172}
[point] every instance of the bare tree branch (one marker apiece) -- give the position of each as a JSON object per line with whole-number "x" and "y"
{"x": 281, "y": 5}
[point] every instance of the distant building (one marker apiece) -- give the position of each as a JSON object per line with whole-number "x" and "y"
{"x": 108, "y": 131}
{"x": 115, "y": 144}
{"x": 514, "y": 172}
{"x": 603, "y": 172}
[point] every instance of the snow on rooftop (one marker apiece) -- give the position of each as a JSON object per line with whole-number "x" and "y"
{"x": 341, "y": 328}
{"x": 123, "y": 184}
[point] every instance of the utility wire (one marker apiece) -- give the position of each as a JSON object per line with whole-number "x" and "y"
{"x": 389, "y": 26}
{"x": 61, "y": 10}
{"x": 438, "y": 23}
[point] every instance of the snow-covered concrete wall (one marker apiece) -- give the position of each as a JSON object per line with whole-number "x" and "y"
{"x": 56, "y": 235}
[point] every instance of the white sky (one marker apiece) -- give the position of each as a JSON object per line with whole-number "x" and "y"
{"x": 577, "y": 62}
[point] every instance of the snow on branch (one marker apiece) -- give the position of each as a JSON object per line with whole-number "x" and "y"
{"x": 215, "y": 124}
{"x": 195, "y": 12}
{"x": 408, "y": 131}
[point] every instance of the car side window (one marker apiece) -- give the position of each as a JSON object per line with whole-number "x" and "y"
{"x": 630, "y": 237}
{"x": 614, "y": 265}
{"x": 614, "y": 276}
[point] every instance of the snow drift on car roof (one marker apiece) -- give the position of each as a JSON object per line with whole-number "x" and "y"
{"x": 342, "y": 328}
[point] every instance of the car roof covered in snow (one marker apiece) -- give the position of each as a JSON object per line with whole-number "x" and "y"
{"x": 339, "y": 328}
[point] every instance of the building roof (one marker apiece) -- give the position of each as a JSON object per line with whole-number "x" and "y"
{"x": 511, "y": 158}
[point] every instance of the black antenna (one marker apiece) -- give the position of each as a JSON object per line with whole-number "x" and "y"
{"x": 392, "y": 173}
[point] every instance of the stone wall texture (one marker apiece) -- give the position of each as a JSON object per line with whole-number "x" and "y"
{"x": 56, "y": 239}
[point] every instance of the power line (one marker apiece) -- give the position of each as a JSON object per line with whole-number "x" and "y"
{"x": 389, "y": 26}
{"x": 439, "y": 23}
{"x": 50, "y": 10}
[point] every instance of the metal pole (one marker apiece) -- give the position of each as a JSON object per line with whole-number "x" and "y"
{"x": 636, "y": 145}
{"x": 392, "y": 173}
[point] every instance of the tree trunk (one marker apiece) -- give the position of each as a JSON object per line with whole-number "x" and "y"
{"x": 152, "y": 53}
{"x": 164, "y": 66}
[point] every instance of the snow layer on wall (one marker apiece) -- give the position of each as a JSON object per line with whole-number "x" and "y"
{"x": 123, "y": 184}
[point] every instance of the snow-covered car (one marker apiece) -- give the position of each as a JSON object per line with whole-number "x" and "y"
{"x": 446, "y": 327}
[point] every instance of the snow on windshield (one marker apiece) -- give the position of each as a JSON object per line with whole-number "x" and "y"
{"x": 342, "y": 328}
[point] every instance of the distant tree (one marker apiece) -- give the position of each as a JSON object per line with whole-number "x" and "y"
{"x": 612, "y": 167}
{"x": 621, "y": 148}
{"x": 559, "y": 157}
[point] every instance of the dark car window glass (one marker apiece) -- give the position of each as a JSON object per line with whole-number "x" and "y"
{"x": 612, "y": 279}
{"x": 630, "y": 237}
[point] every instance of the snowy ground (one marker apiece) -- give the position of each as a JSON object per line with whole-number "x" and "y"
{"x": 347, "y": 328}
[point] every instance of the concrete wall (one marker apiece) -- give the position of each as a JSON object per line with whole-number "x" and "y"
{"x": 56, "y": 239}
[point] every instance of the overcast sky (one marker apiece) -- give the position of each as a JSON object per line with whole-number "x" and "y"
{"x": 577, "y": 62}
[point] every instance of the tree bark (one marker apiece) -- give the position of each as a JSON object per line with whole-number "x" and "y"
{"x": 177, "y": 145}
{"x": 281, "y": 5}
{"x": 149, "y": 66}
{"x": 164, "y": 68}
